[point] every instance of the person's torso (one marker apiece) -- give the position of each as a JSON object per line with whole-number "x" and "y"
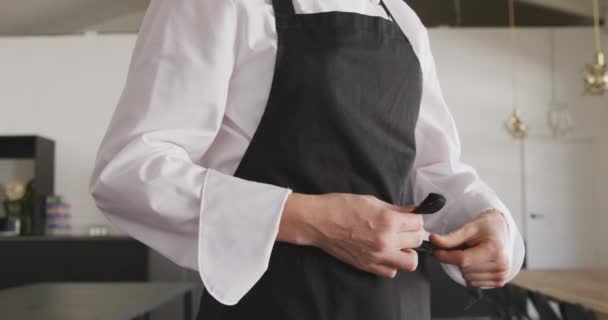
{"x": 340, "y": 117}
{"x": 254, "y": 68}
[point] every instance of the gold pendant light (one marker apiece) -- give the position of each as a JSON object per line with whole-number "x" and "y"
{"x": 515, "y": 124}
{"x": 596, "y": 75}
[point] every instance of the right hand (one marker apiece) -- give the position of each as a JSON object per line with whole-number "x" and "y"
{"x": 360, "y": 230}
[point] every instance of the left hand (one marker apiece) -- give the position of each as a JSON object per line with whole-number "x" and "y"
{"x": 485, "y": 264}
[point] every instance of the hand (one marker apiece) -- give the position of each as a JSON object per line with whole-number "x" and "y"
{"x": 360, "y": 230}
{"x": 485, "y": 264}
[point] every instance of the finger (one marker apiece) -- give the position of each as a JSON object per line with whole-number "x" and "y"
{"x": 406, "y": 240}
{"x": 488, "y": 266}
{"x": 455, "y": 238}
{"x": 406, "y": 260}
{"x": 383, "y": 270}
{"x": 403, "y": 209}
{"x": 484, "y": 276}
{"x": 404, "y": 222}
{"x": 463, "y": 258}
{"x": 483, "y": 255}
{"x": 485, "y": 284}
{"x": 454, "y": 257}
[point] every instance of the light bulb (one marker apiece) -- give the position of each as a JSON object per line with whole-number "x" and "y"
{"x": 559, "y": 119}
{"x": 596, "y": 76}
{"x": 515, "y": 125}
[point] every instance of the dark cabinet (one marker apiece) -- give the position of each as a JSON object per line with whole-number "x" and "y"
{"x": 28, "y": 260}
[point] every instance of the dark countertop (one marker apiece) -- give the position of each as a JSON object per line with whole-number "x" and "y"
{"x": 89, "y": 300}
{"x": 68, "y": 238}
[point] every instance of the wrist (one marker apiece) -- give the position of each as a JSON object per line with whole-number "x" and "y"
{"x": 498, "y": 216}
{"x": 501, "y": 220}
{"x": 297, "y": 220}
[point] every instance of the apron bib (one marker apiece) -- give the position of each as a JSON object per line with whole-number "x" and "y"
{"x": 341, "y": 117}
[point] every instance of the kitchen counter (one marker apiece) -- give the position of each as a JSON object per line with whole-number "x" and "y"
{"x": 587, "y": 287}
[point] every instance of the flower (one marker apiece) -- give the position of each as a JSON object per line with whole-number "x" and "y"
{"x": 14, "y": 190}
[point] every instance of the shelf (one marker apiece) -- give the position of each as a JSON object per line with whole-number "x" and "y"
{"x": 42, "y": 151}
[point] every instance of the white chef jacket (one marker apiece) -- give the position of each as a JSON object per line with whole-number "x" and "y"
{"x": 197, "y": 86}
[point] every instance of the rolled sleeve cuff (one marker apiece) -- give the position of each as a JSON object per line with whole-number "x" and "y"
{"x": 238, "y": 228}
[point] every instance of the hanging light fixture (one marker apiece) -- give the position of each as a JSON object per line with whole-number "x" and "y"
{"x": 559, "y": 117}
{"x": 596, "y": 75}
{"x": 515, "y": 124}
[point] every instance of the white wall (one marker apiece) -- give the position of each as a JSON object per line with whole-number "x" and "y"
{"x": 475, "y": 68}
{"x": 66, "y": 88}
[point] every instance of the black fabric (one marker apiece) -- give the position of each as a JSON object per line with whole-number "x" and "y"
{"x": 341, "y": 117}
{"x": 542, "y": 306}
{"x": 516, "y": 302}
{"x": 571, "y": 311}
{"x": 283, "y": 8}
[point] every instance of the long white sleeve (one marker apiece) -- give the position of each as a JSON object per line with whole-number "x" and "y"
{"x": 148, "y": 179}
{"x": 438, "y": 168}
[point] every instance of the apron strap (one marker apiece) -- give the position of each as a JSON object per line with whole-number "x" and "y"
{"x": 283, "y": 7}
{"x": 388, "y": 12}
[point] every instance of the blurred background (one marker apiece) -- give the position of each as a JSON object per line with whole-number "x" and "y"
{"x": 530, "y": 100}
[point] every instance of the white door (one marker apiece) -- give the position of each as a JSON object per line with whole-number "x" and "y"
{"x": 560, "y": 204}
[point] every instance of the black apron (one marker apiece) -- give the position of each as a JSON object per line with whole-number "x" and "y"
{"x": 341, "y": 117}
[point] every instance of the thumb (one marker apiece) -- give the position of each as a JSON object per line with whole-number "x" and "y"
{"x": 404, "y": 209}
{"x": 450, "y": 257}
{"x": 453, "y": 239}
{"x": 408, "y": 209}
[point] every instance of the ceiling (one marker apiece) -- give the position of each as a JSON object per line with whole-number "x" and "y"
{"x": 41, "y": 17}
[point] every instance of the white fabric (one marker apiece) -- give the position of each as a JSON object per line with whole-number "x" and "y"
{"x": 197, "y": 86}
